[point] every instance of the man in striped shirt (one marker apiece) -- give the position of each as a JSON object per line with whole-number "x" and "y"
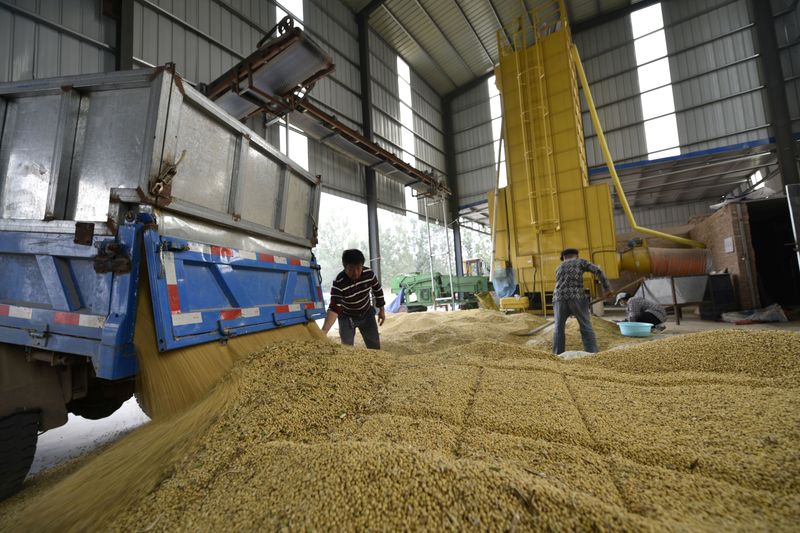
{"x": 355, "y": 294}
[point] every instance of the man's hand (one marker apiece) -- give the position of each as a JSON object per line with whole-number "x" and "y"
{"x": 330, "y": 318}
{"x": 381, "y": 316}
{"x": 609, "y": 294}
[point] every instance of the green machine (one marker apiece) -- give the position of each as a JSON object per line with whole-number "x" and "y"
{"x": 417, "y": 294}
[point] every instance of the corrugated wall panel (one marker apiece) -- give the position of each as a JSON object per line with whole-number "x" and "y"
{"x": 387, "y": 128}
{"x": 427, "y": 103}
{"x": 787, "y": 29}
{"x": 608, "y": 56}
{"x": 391, "y": 195}
{"x": 716, "y": 84}
{"x": 426, "y": 107}
{"x": 31, "y": 49}
{"x": 473, "y": 138}
{"x": 339, "y": 174}
{"x": 338, "y": 36}
{"x": 429, "y": 139}
{"x": 208, "y": 28}
{"x": 385, "y": 100}
{"x": 656, "y": 217}
{"x": 474, "y": 145}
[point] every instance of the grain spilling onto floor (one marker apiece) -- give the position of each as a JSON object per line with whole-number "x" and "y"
{"x": 693, "y": 432}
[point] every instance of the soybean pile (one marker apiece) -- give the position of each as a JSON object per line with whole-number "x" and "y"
{"x": 694, "y": 432}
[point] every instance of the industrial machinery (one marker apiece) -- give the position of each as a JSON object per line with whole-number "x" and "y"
{"x": 548, "y": 204}
{"x": 133, "y": 191}
{"x": 418, "y": 294}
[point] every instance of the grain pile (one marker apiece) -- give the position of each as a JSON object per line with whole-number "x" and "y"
{"x": 411, "y": 333}
{"x": 697, "y": 432}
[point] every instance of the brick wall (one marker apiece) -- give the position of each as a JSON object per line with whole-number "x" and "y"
{"x": 731, "y": 248}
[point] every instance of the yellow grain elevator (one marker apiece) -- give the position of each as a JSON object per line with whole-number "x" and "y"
{"x": 548, "y": 204}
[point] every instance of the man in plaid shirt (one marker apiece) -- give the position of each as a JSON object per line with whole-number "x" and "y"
{"x": 641, "y": 310}
{"x": 570, "y": 299}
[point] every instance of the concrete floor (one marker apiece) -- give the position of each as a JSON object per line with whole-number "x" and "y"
{"x": 692, "y": 323}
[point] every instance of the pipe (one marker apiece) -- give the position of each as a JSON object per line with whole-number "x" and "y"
{"x": 496, "y": 194}
{"x": 666, "y": 261}
{"x": 430, "y": 254}
{"x": 610, "y": 163}
{"x": 449, "y": 262}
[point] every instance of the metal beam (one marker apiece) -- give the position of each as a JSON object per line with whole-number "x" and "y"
{"x": 444, "y": 36}
{"x": 366, "y": 114}
{"x": 474, "y": 82}
{"x": 416, "y": 42}
{"x": 452, "y": 181}
{"x": 125, "y": 36}
{"x": 474, "y": 32}
{"x": 777, "y": 104}
{"x": 370, "y": 8}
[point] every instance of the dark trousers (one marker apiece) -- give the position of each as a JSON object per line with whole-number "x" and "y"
{"x": 649, "y": 318}
{"x": 563, "y": 309}
{"x": 368, "y": 327}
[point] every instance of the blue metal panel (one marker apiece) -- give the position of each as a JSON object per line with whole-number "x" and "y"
{"x": 52, "y": 298}
{"x": 116, "y": 357}
{"x": 204, "y": 293}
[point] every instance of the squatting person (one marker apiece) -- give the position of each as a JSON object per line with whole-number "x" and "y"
{"x": 643, "y": 310}
{"x": 352, "y": 295}
{"x": 569, "y": 298}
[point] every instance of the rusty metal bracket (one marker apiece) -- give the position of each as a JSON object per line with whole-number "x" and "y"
{"x": 161, "y": 186}
{"x": 84, "y": 233}
{"x": 111, "y": 257}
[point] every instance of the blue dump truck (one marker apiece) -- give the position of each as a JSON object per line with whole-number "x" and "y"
{"x": 106, "y": 179}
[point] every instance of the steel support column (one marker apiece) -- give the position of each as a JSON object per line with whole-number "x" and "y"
{"x": 452, "y": 182}
{"x": 366, "y": 114}
{"x": 125, "y": 36}
{"x": 772, "y": 75}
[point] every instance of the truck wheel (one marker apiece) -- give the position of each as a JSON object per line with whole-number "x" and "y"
{"x": 102, "y": 398}
{"x": 18, "y": 435}
{"x": 93, "y": 410}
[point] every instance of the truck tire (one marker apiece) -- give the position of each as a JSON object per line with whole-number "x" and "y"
{"x": 102, "y": 398}
{"x": 94, "y": 410}
{"x": 18, "y": 435}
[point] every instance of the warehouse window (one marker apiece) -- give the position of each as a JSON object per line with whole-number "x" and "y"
{"x": 293, "y": 7}
{"x": 496, "y": 110}
{"x": 293, "y": 142}
{"x": 757, "y": 180}
{"x": 406, "y": 124}
{"x": 655, "y": 83}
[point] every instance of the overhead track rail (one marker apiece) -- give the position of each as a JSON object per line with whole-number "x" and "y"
{"x": 276, "y": 80}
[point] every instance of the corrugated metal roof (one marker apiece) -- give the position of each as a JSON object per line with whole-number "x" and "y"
{"x": 451, "y": 42}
